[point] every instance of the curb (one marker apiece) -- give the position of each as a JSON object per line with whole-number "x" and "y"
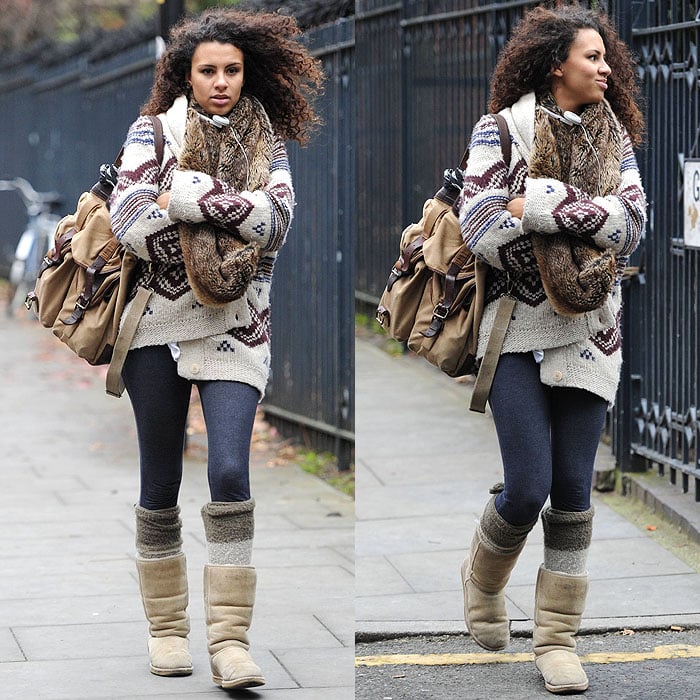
{"x": 666, "y": 500}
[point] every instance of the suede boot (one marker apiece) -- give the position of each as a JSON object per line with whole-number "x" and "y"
{"x": 229, "y": 596}
{"x": 559, "y": 603}
{"x": 495, "y": 549}
{"x": 560, "y": 598}
{"x": 229, "y": 592}
{"x": 163, "y": 584}
{"x": 162, "y": 574}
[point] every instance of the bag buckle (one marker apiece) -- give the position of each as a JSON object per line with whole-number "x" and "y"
{"x": 441, "y": 311}
{"x": 393, "y": 276}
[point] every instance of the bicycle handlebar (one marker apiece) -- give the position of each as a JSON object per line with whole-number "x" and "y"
{"x": 29, "y": 195}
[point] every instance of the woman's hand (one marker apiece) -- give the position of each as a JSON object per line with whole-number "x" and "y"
{"x": 163, "y": 200}
{"x": 515, "y": 207}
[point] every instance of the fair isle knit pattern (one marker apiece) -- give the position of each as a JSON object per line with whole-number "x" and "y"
{"x": 582, "y": 351}
{"x": 231, "y": 342}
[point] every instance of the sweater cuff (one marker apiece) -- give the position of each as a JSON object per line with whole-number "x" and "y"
{"x": 542, "y": 195}
{"x": 187, "y": 191}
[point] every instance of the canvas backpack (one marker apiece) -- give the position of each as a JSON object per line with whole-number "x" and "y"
{"x": 85, "y": 280}
{"x": 434, "y": 296}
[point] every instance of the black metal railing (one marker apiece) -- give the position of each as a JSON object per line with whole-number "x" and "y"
{"x": 65, "y": 114}
{"x": 663, "y": 341}
{"x": 312, "y": 385}
{"x": 423, "y": 69}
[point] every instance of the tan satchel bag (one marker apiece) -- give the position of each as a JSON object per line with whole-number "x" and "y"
{"x": 434, "y": 297}
{"x": 83, "y": 283}
{"x": 85, "y": 279}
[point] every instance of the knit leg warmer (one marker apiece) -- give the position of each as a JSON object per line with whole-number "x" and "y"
{"x": 494, "y": 552}
{"x": 567, "y": 537}
{"x": 158, "y": 532}
{"x": 229, "y": 529}
{"x": 498, "y": 533}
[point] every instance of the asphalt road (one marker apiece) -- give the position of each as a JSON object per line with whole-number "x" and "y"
{"x": 620, "y": 666}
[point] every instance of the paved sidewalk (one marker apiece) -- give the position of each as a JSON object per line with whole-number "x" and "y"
{"x": 71, "y": 622}
{"x": 424, "y": 467}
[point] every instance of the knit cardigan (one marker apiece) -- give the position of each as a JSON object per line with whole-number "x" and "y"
{"x": 584, "y": 351}
{"x": 231, "y": 342}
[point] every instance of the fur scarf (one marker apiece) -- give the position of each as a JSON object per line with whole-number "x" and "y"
{"x": 577, "y": 276}
{"x": 219, "y": 264}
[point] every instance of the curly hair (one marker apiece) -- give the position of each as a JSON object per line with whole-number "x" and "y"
{"x": 542, "y": 41}
{"x": 279, "y": 71}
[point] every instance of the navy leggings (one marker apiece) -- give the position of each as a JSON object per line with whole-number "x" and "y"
{"x": 548, "y": 438}
{"x": 160, "y": 399}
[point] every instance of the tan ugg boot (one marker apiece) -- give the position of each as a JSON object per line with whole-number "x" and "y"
{"x": 495, "y": 549}
{"x": 485, "y": 573}
{"x": 163, "y": 584}
{"x": 559, "y": 602}
{"x": 229, "y": 596}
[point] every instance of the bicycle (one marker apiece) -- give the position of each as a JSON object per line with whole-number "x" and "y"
{"x": 34, "y": 242}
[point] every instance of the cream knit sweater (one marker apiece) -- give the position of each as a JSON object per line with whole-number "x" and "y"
{"x": 230, "y": 342}
{"x": 581, "y": 352}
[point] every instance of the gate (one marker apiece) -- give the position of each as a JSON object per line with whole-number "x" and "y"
{"x": 423, "y": 69}
{"x": 661, "y": 324}
{"x": 67, "y": 110}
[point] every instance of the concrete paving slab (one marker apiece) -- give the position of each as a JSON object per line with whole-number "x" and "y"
{"x": 69, "y": 595}
{"x": 629, "y": 597}
{"x": 338, "y": 624}
{"x": 303, "y": 556}
{"x": 283, "y": 538}
{"x": 46, "y": 547}
{"x": 116, "y": 677}
{"x": 10, "y": 649}
{"x": 71, "y": 610}
{"x": 58, "y": 529}
{"x": 412, "y": 499}
{"x": 320, "y": 668}
{"x": 34, "y": 578}
{"x": 401, "y": 535}
{"x": 435, "y": 606}
{"x": 415, "y": 522}
{"x": 97, "y": 640}
{"x": 377, "y": 576}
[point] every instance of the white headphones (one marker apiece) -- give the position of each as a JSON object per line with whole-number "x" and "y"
{"x": 572, "y": 119}
{"x": 217, "y": 120}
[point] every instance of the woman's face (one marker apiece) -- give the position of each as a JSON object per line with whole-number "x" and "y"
{"x": 216, "y": 76}
{"x": 582, "y": 78}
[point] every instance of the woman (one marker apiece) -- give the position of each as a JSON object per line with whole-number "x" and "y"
{"x": 206, "y": 224}
{"x": 570, "y": 197}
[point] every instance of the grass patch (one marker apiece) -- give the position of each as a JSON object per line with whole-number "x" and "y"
{"x": 368, "y": 329}
{"x": 653, "y": 525}
{"x": 325, "y": 466}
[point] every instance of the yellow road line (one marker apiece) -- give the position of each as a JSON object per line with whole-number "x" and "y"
{"x": 670, "y": 651}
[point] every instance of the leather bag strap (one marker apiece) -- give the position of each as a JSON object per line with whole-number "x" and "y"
{"x": 504, "y": 136}
{"x": 114, "y": 382}
{"x": 158, "y": 138}
{"x": 506, "y": 306}
{"x": 487, "y": 370}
